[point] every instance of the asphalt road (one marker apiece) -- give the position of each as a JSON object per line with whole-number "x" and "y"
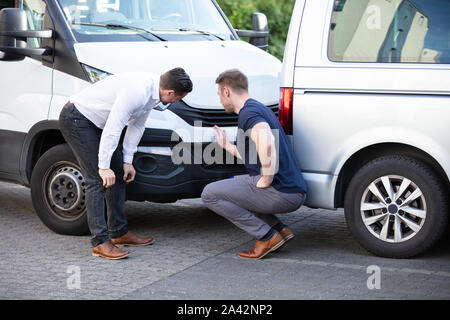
{"x": 195, "y": 257}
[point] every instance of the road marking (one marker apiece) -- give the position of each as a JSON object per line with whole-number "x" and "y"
{"x": 358, "y": 267}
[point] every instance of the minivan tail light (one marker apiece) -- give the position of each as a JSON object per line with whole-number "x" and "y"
{"x": 285, "y": 109}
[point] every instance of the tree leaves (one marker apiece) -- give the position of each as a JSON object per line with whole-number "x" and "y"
{"x": 278, "y": 13}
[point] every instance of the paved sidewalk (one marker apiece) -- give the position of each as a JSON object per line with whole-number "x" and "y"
{"x": 194, "y": 257}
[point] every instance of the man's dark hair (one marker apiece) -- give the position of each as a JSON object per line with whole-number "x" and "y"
{"x": 234, "y": 79}
{"x": 176, "y": 79}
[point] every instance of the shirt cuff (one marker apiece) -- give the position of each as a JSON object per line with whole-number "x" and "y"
{"x": 103, "y": 163}
{"x": 128, "y": 158}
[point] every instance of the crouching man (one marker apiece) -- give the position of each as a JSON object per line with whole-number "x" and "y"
{"x": 275, "y": 184}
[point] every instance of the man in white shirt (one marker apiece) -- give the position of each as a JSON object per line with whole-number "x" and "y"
{"x": 92, "y": 123}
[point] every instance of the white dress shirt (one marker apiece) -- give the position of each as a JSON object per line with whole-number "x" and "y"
{"x": 114, "y": 102}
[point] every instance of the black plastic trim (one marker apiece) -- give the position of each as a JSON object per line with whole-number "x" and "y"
{"x": 252, "y": 33}
{"x": 208, "y": 117}
{"x": 158, "y": 137}
{"x": 166, "y": 183}
{"x": 64, "y": 58}
{"x": 29, "y": 145}
{"x": 10, "y": 150}
{"x": 174, "y": 182}
{"x": 6, "y": 4}
{"x": 15, "y": 178}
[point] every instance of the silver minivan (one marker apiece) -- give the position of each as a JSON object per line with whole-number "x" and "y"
{"x": 365, "y": 98}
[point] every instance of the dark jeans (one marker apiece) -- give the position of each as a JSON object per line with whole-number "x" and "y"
{"x": 83, "y": 138}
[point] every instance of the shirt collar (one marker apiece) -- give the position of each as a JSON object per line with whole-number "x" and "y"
{"x": 155, "y": 94}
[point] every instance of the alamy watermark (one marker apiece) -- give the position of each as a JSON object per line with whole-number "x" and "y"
{"x": 374, "y": 280}
{"x": 213, "y": 153}
{"x": 74, "y": 280}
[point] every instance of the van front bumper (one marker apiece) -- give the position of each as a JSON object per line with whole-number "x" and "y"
{"x": 158, "y": 179}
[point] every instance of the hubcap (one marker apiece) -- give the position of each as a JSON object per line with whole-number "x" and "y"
{"x": 393, "y": 208}
{"x": 66, "y": 192}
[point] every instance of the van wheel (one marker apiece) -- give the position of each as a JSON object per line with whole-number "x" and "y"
{"x": 396, "y": 207}
{"x": 58, "y": 192}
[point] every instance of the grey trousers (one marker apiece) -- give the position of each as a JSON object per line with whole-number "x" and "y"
{"x": 250, "y": 208}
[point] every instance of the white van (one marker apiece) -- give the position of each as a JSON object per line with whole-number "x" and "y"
{"x": 52, "y": 49}
{"x": 366, "y": 99}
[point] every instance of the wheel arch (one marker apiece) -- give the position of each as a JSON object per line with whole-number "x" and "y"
{"x": 41, "y": 137}
{"x": 365, "y": 155}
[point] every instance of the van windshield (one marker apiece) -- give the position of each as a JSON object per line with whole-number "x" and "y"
{"x": 97, "y": 20}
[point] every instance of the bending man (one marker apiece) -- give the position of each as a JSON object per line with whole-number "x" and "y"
{"x": 92, "y": 123}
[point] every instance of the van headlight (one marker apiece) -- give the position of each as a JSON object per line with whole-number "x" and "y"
{"x": 94, "y": 74}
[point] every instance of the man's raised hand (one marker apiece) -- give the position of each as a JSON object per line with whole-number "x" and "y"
{"x": 221, "y": 137}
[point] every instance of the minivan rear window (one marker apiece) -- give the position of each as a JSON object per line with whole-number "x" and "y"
{"x": 390, "y": 31}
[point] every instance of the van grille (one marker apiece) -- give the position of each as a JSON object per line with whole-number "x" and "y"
{"x": 208, "y": 117}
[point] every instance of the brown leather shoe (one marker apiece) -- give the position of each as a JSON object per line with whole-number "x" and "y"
{"x": 263, "y": 247}
{"x": 130, "y": 239}
{"x": 109, "y": 251}
{"x": 287, "y": 234}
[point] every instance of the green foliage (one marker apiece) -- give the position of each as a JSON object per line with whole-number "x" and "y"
{"x": 278, "y": 13}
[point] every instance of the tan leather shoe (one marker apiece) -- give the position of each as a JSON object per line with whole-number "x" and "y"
{"x": 287, "y": 234}
{"x": 109, "y": 251}
{"x": 130, "y": 239}
{"x": 263, "y": 247}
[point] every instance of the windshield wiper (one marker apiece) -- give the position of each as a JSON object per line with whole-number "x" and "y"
{"x": 116, "y": 25}
{"x": 192, "y": 30}
{"x": 202, "y": 32}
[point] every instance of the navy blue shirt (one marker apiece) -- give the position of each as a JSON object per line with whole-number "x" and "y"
{"x": 289, "y": 177}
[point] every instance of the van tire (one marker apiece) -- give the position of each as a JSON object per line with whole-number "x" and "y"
{"x": 64, "y": 212}
{"x": 396, "y": 239}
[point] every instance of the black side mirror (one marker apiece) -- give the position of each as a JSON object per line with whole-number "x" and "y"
{"x": 261, "y": 26}
{"x": 14, "y": 34}
{"x": 259, "y": 36}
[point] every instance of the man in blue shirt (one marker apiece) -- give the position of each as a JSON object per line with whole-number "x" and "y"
{"x": 275, "y": 184}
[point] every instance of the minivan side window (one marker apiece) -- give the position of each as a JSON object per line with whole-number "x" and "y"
{"x": 390, "y": 31}
{"x": 6, "y": 4}
{"x": 35, "y": 10}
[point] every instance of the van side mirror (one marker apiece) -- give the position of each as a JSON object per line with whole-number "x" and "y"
{"x": 259, "y": 36}
{"x": 14, "y": 34}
